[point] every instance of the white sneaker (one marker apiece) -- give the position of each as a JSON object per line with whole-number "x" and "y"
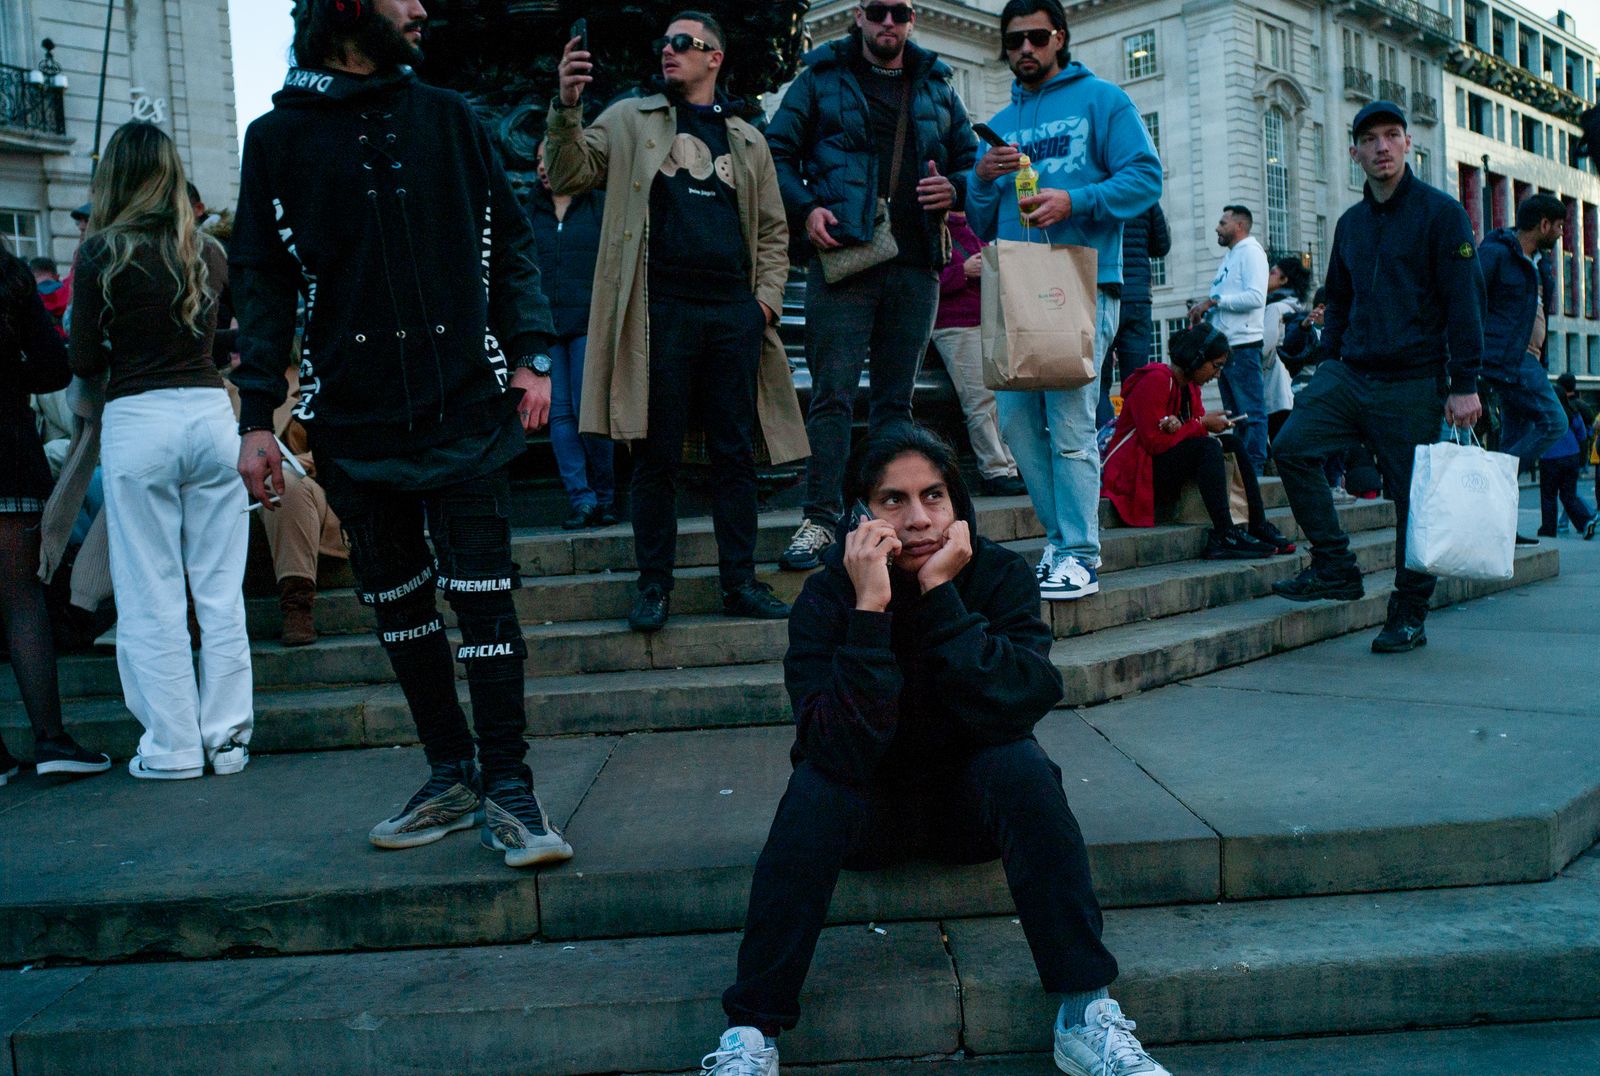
{"x": 1341, "y": 496}
{"x": 1103, "y": 1045}
{"x": 137, "y": 767}
{"x": 743, "y": 1051}
{"x": 1047, "y": 560}
{"x": 1069, "y": 579}
{"x": 230, "y": 758}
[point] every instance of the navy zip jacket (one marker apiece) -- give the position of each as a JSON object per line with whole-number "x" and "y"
{"x": 1516, "y": 287}
{"x": 382, "y": 201}
{"x": 1405, "y": 292}
{"x": 821, "y": 140}
{"x": 568, "y": 249}
{"x": 1144, "y": 237}
{"x": 936, "y": 677}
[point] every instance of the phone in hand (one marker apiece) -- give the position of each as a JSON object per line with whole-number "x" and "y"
{"x": 859, "y": 514}
{"x": 985, "y": 132}
{"x": 1235, "y": 419}
{"x": 580, "y": 30}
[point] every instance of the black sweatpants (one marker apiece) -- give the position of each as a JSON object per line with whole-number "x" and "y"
{"x": 470, "y": 525}
{"x": 1340, "y": 409}
{"x": 1004, "y": 802}
{"x": 1558, "y": 480}
{"x": 703, "y": 363}
{"x": 1201, "y": 459}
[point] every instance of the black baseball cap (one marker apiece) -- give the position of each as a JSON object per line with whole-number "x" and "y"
{"x": 86, "y": 210}
{"x": 1375, "y": 111}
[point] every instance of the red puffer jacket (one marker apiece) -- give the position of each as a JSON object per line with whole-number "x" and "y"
{"x": 1150, "y": 394}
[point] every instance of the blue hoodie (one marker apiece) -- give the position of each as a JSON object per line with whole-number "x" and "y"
{"x": 1084, "y": 136}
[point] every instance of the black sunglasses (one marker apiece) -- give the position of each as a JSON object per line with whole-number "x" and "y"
{"x": 1037, "y": 38}
{"x": 681, "y": 43}
{"x": 900, "y": 13}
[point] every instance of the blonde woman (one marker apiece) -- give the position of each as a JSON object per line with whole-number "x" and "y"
{"x": 145, "y": 312}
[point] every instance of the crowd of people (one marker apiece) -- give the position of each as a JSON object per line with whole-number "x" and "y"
{"x": 370, "y": 338}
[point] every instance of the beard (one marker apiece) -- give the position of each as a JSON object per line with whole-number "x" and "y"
{"x": 380, "y": 41}
{"x": 1032, "y": 75}
{"x": 884, "y": 52}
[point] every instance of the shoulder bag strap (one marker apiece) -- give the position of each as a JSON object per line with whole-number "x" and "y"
{"x": 900, "y": 137}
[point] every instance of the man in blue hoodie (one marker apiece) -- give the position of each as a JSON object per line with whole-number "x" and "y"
{"x": 1519, "y": 285}
{"x": 1096, "y": 170}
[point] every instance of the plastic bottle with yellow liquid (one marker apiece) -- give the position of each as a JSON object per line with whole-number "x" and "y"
{"x": 1027, "y": 187}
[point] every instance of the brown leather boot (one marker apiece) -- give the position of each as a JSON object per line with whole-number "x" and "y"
{"x": 295, "y": 597}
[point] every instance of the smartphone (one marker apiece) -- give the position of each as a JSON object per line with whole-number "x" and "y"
{"x": 859, "y": 514}
{"x": 580, "y": 30}
{"x": 985, "y": 132}
{"x": 1236, "y": 418}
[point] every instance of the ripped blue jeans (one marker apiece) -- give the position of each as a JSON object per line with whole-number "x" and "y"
{"x": 1052, "y": 436}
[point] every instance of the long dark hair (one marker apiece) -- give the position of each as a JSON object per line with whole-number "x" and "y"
{"x": 867, "y": 464}
{"x": 1297, "y": 278}
{"x": 16, "y": 284}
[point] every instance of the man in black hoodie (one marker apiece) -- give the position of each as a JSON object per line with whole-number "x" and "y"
{"x": 1405, "y": 322}
{"x": 381, "y": 201}
{"x": 918, "y": 667}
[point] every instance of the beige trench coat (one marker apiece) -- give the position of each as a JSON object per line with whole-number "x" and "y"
{"x": 622, "y": 151}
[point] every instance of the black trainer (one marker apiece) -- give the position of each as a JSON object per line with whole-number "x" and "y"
{"x": 1523, "y": 539}
{"x": 582, "y": 518}
{"x": 651, "y": 609}
{"x": 1402, "y": 631}
{"x": 1266, "y": 532}
{"x": 1315, "y": 584}
{"x": 1235, "y": 544}
{"x": 754, "y": 599}
{"x": 1006, "y": 485}
{"x": 63, "y": 755}
{"x": 606, "y": 516}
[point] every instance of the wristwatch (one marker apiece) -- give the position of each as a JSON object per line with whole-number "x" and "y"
{"x": 538, "y": 362}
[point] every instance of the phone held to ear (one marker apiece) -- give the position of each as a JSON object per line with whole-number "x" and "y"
{"x": 985, "y": 132}
{"x": 859, "y": 514}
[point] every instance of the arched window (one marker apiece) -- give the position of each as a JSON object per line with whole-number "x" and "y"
{"x": 1280, "y": 228}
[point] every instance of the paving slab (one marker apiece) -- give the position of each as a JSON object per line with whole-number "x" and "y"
{"x": 1495, "y": 1050}
{"x": 274, "y": 859}
{"x": 684, "y": 864}
{"x": 1319, "y": 795}
{"x": 1257, "y": 969}
{"x": 24, "y": 994}
{"x": 549, "y": 1009}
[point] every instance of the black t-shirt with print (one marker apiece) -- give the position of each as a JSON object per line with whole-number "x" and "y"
{"x": 697, "y": 248}
{"x": 885, "y": 89}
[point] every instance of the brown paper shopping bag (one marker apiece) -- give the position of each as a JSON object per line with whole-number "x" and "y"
{"x": 1038, "y": 315}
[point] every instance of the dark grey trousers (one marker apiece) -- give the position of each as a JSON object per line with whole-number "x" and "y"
{"x": 1338, "y": 410}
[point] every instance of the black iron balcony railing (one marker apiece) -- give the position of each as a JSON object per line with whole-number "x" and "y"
{"x": 1423, "y": 18}
{"x": 29, "y": 104}
{"x": 1390, "y": 90}
{"x": 1358, "y": 83}
{"x": 1495, "y": 73}
{"x": 1424, "y": 108}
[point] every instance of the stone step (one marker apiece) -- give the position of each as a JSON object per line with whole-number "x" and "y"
{"x": 593, "y": 644}
{"x": 1379, "y": 962}
{"x": 1106, "y": 664}
{"x": 601, "y": 594}
{"x": 1176, "y": 808}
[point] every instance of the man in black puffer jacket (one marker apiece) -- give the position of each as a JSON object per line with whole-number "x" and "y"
{"x": 918, "y": 668}
{"x": 833, "y": 143}
{"x": 1144, "y": 237}
{"x": 381, "y": 200}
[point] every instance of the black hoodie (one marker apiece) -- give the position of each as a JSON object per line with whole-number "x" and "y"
{"x": 383, "y": 202}
{"x": 936, "y": 677}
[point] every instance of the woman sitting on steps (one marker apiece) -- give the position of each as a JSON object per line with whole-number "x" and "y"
{"x": 1164, "y": 437}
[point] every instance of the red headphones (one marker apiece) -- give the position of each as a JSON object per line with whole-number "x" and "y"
{"x": 347, "y": 12}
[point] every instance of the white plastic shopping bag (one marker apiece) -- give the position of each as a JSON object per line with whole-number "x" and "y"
{"x": 1463, "y": 520}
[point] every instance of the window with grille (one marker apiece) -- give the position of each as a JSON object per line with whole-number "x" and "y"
{"x": 1319, "y": 150}
{"x": 1272, "y": 46}
{"x": 1152, "y": 123}
{"x": 20, "y": 228}
{"x": 1158, "y": 271}
{"x": 1358, "y": 178}
{"x": 1424, "y": 166}
{"x": 1139, "y": 54}
{"x": 1279, "y": 225}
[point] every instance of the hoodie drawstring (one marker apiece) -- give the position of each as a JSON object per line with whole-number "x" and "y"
{"x": 422, "y": 300}
{"x": 394, "y": 305}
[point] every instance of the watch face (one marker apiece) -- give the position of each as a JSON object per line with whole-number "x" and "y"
{"x": 540, "y": 365}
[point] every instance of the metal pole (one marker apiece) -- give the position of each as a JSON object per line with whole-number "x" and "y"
{"x": 100, "y": 107}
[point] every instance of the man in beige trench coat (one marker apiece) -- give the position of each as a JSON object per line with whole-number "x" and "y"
{"x": 688, "y": 288}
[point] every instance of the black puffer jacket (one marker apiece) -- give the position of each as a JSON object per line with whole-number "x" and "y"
{"x": 568, "y": 249}
{"x": 933, "y": 679}
{"x": 33, "y": 358}
{"x": 821, "y": 140}
{"x": 1144, "y": 237}
{"x": 382, "y": 200}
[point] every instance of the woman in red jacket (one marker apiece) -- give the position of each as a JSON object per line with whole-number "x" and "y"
{"x": 1164, "y": 438}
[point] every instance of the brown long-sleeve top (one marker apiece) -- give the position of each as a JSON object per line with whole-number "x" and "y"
{"x": 134, "y": 331}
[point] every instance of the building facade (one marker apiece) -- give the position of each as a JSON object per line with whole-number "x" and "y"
{"x": 170, "y": 62}
{"x": 1515, "y": 85}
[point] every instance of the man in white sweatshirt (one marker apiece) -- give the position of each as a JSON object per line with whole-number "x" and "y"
{"x": 1239, "y": 299}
